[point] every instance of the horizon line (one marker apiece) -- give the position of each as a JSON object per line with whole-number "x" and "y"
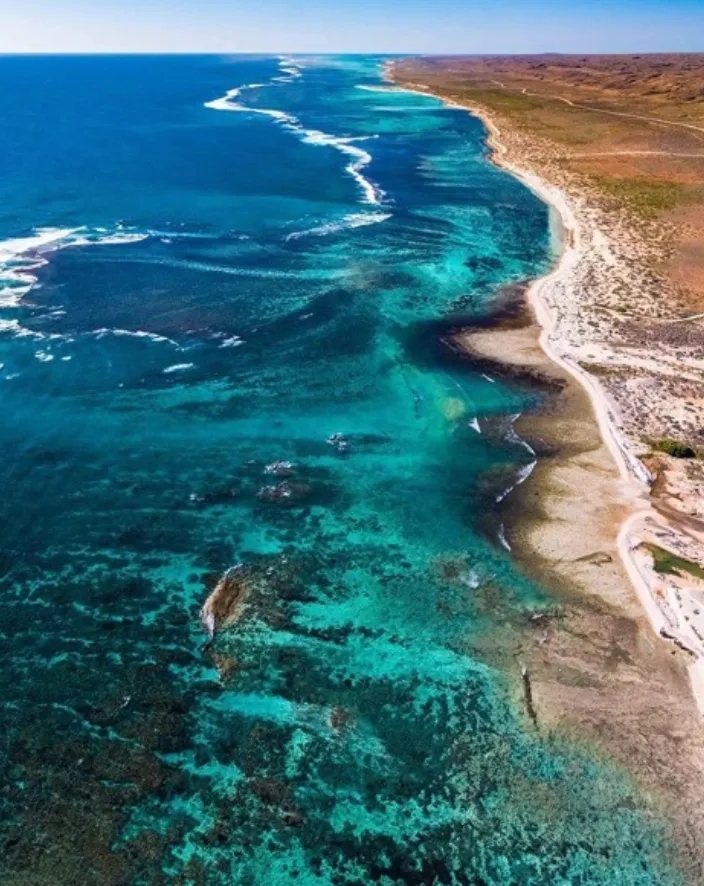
{"x": 271, "y": 52}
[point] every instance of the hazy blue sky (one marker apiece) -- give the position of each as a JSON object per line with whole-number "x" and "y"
{"x": 451, "y": 26}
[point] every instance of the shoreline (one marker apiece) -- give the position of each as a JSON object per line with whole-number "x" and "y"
{"x": 601, "y": 672}
{"x": 635, "y": 477}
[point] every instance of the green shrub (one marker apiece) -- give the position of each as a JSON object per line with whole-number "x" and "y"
{"x": 647, "y": 196}
{"x": 667, "y": 563}
{"x": 675, "y": 448}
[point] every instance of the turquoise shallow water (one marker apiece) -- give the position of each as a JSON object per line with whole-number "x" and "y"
{"x": 202, "y": 279}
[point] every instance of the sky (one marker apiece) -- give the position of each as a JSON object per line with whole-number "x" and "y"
{"x": 337, "y": 26}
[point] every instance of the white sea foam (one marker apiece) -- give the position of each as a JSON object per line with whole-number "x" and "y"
{"x": 289, "y": 65}
{"x": 179, "y": 367}
{"x": 114, "y": 239}
{"x": 234, "y": 341}
{"x": 9, "y": 249}
{"x": 526, "y": 470}
{"x": 470, "y": 579}
{"x": 254, "y": 273}
{"x": 14, "y": 328}
{"x": 513, "y": 437}
{"x": 20, "y": 257}
{"x": 225, "y": 102}
{"x": 168, "y": 236}
{"x": 291, "y": 71}
{"x": 360, "y": 158}
{"x": 353, "y": 220}
{"x": 367, "y": 88}
{"x": 137, "y": 333}
{"x": 521, "y": 477}
{"x": 16, "y": 268}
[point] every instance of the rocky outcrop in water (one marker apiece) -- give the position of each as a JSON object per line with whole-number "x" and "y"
{"x": 224, "y": 605}
{"x": 280, "y": 469}
{"x": 284, "y": 493}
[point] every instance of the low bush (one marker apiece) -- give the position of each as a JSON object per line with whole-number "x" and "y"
{"x": 675, "y": 448}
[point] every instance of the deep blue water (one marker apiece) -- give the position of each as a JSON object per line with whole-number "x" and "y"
{"x": 196, "y": 285}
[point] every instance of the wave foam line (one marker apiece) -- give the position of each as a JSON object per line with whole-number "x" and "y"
{"x": 136, "y": 333}
{"x": 10, "y": 249}
{"x": 16, "y": 271}
{"x": 290, "y": 66}
{"x": 21, "y": 257}
{"x": 521, "y": 477}
{"x": 234, "y": 341}
{"x": 353, "y": 220}
{"x": 14, "y": 328}
{"x": 117, "y": 239}
{"x": 253, "y": 273}
{"x": 360, "y": 158}
{"x": 513, "y": 437}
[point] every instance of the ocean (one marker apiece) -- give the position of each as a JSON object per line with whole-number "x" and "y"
{"x": 226, "y": 290}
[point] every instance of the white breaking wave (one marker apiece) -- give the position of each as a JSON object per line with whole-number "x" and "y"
{"x": 290, "y": 68}
{"x": 227, "y": 103}
{"x": 513, "y": 437}
{"x": 234, "y": 341}
{"x": 18, "y": 331}
{"x": 526, "y": 470}
{"x": 10, "y": 249}
{"x": 21, "y": 256}
{"x": 521, "y": 477}
{"x": 16, "y": 270}
{"x": 367, "y": 88}
{"x": 353, "y": 220}
{"x": 179, "y": 367}
{"x": 361, "y": 159}
{"x": 112, "y": 240}
{"x": 255, "y": 273}
{"x": 138, "y": 333}
{"x": 168, "y": 236}
{"x": 290, "y": 71}
{"x": 502, "y": 538}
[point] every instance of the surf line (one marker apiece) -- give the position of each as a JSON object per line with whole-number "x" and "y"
{"x": 359, "y": 158}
